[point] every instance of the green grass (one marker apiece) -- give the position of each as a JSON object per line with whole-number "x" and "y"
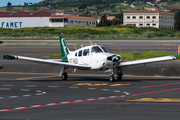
{"x": 133, "y": 56}
{"x": 41, "y": 43}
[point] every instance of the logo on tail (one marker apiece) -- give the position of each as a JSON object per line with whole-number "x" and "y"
{"x": 64, "y": 48}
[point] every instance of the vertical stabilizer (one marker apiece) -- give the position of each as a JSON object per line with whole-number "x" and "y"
{"x": 64, "y": 48}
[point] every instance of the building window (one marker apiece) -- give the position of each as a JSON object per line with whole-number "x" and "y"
{"x": 140, "y": 24}
{"x": 140, "y": 17}
{"x": 154, "y": 24}
{"x": 128, "y": 17}
{"x": 79, "y": 22}
{"x": 89, "y": 22}
{"x": 154, "y": 17}
{"x": 147, "y": 24}
{"x": 76, "y": 21}
{"x": 134, "y": 17}
{"x": 148, "y": 17}
{"x": 71, "y": 21}
{"x": 57, "y": 20}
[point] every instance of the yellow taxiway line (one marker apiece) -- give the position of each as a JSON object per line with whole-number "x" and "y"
{"x": 156, "y": 100}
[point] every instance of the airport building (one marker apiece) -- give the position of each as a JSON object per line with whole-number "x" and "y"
{"x": 43, "y": 18}
{"x": 149, "y": 18}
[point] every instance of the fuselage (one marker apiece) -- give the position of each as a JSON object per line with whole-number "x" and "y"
{"x": 95, "y": 56}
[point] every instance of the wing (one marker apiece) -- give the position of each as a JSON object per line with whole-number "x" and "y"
{"x": 46, "y": 61}
{"x": 151, "y": 60}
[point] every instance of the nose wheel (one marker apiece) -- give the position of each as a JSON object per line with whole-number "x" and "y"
{"x": 119, "y": 75}
{"x": 111, "y": 78}
{"x": 64, "y": 76}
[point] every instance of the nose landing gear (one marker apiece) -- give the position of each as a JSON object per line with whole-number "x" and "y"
{"x": 119, "y": 75}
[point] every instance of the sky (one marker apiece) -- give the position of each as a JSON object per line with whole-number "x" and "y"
{"x": 17, "y": 2}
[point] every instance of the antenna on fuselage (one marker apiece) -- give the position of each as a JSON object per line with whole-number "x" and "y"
{"x": 90, "y": 41}
{"x": 75, "y": 47}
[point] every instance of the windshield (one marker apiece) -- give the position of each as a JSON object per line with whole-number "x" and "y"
{"x": 105, "y": 49}
{"x": 96, "y": 49}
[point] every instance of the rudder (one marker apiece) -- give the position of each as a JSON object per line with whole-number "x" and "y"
{"x": 63, "y": 46}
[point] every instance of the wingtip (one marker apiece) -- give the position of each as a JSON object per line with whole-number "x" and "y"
{"x": 10, "y": 57}
{"x": 174, "y": 57}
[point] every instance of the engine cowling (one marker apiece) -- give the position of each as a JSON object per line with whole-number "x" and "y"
{"x": 114, "y": 58}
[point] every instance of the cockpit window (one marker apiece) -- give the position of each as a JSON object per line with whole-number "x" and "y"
{"x": 76, "y": 54}
{"x": 86, "y": 52}
{"x": 80, "y": 53}
{"x": 105, "y": 49}
{"x": 96, "y": 49}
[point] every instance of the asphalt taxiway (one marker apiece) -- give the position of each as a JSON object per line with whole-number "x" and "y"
{"x": 43, "y": 97}
{"x": 35, "y": 92}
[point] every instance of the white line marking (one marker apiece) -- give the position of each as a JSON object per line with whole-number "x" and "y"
{"x": 5, "y": 89}
{"x": 123, "y": 96}
{"x": 73, "y": 87}
{"x": 38, "y": 91}
{"x": 7, "y": 85}
{"x": 78, "y": 100}
{"x": 65, "y": 102}
{"x": 26, "y": 95}
{"x": 91, "y": 88}
{"x": 44, "y": 92}
{"x": 117, "y": 91}
{"x": 3, "y": 109}
{"x": 105, "y": 89}
{"x": 90, "y": 99}
{"x": 19, "y": 107}
{"x": 30, "y": 86}
{"x": 54, "y": 86}
{"x": 126, "y": 93}
{"x": 39, "y": 94}
{"x": 1, "y": 98}
{"x": 51, "y": 104}
{"x": 24, "y": 90}
{"x": 35, "y": 105}
{"x": 13, "y": 96}
{"x": 112, "y": 96}
{"x": 101, "y": 97}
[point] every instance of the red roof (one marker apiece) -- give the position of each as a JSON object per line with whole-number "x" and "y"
{"x": 5, "y": 14}
{"x": 43, "y": 14}
{"x": 153, "y": 7}
{"x": 59, "y": 11}
{"x": 80, "y": 17}
{"x": 146, "y": 11}
{"x": 22, "y": 14}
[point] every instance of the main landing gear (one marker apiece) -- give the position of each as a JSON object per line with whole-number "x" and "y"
{"x": 64, "y": 76}
{"x": 119, "y": 75}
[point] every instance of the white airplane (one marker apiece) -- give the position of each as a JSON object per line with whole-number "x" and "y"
{"x": 93, "y": 57}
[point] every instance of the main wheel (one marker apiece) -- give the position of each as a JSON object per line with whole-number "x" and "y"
{"x": 64, "y": 76}
{"x": 119, "y": 76}
{"x": 111, "y": 78}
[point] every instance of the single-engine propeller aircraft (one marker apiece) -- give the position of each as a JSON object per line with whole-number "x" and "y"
{"x": 93, "y": 57}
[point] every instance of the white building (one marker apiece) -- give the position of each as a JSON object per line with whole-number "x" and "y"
{"x": 42, "y": 19}
{"x": 151, "y": 18}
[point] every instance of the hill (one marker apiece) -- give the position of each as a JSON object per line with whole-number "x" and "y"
{"x": 93, "y": 8}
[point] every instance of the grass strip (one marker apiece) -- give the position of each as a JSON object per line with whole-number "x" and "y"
{"x": 133, "y": 56}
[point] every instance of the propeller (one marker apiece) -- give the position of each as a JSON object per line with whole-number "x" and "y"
{"x": 114, "y": 58}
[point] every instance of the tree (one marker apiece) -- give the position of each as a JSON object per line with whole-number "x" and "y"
{"x": 9, "y": 4}
{"x": 177, "y": 24}
{"x": 35, "y": 7}
{"x": 83, "y": 6}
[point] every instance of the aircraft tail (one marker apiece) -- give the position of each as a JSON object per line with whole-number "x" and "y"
{"x": 64, "y": 48}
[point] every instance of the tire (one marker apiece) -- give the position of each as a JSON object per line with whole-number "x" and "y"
{"x": 119, "y": 76}
{"x": 64, "y": 76}
{"x": 111, "y": 78}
